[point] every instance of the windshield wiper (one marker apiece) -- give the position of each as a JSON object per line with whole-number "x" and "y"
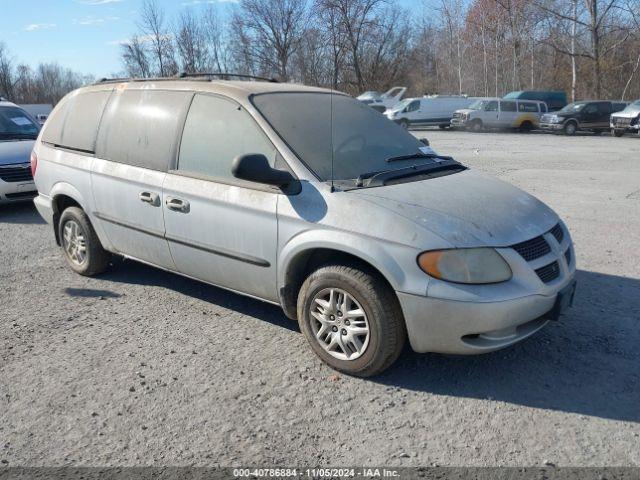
{"x": 416, "y": 155}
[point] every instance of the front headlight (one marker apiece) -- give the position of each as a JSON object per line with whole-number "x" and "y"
{"x": 555, "y": 119}
{"x": 465, "y": 265}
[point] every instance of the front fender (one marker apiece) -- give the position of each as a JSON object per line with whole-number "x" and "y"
{"x": 395, "y": 262}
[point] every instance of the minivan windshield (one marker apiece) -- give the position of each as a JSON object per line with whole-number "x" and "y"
{"x": 478, "y": 105}
{"x": 16, "y": 124}
{"x": 340, "y": 138}
{"x": 573, "y": 107}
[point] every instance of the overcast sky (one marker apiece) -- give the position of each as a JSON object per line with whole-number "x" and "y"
{"x": 83, "y": 34}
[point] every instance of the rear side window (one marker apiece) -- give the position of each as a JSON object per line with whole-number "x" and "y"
{"x": 140, "y": 127}
{"x": 527, "y": 107}
{"x": 217, "y": 131}
{"x": 508, "y": 106}
{"x": 75, "y": 123}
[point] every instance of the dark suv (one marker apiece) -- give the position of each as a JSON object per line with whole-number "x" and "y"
{"x": 586, "y": 115}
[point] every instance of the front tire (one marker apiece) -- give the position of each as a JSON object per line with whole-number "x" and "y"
{"x": 617, "y": 133}
{"x": 351, "y": 319}
{"x": 570, "y": 128}
{"x": 82, "y": 248}
{"x": 476, "y": 126}
{"x": 404, "y": 123}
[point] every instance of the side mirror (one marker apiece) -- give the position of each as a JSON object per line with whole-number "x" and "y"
{"x": 254, "y": 167}
{"x": 425, "y": 141}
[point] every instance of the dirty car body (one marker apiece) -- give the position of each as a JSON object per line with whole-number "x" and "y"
{"x": 344, "y": 189}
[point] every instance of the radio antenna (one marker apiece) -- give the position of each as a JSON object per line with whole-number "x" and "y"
{"x": 331, "y": 126}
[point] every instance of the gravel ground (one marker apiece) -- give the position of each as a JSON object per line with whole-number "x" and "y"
{"x": 142, "y": 367}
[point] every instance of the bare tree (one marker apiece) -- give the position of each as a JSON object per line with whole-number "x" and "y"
{"x": 191, "y": 43}
{"x": 153, "y": 25}
{"x": 275, "y": 27}
{"x": 135, "y": 58}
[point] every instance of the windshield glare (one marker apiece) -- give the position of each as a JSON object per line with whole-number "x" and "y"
{"x": 573, "y": 107}
{"x": 633, "y": 106}
{"x": 320, "y": 126}
{"x": 15, "y": 123}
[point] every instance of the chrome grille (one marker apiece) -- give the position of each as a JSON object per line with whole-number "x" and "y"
{"x": 16, "y": 173}
{"x": 457, "y": 115}
{"x": 621, "y": 121}
{"x": 548, "y": 273}
{"x": 546, "y": 118}
{"x": 532, "y": 249}
{"x": 557, "y": 232}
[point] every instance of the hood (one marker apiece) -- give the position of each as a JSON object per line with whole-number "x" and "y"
{"x": 465, "y": 110}
{"x": 467, "y": 209}
{"x": 15, "y": 151}
{"x": 628, "y": 112}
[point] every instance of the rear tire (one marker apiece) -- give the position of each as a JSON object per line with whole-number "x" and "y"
{"x": 617, "y": 133}
{"x": 338, "y": 337}
{"x": 443, "y": 127}
{"x": 82, "y": 248}
{"x": 526, "y": 127}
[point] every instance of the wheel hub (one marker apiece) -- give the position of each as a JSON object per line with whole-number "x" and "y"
{"x": 339, "y": 324}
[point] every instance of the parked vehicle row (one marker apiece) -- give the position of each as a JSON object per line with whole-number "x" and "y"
{"x": 627, "y": 120}
{"x": 434, "y": 110}
{"x": 356, "y": 228}
{"x": 592, "y": 116}
{"x": 500, "y": 113}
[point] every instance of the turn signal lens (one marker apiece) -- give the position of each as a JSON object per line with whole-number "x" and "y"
{"x": 466, "y": 265}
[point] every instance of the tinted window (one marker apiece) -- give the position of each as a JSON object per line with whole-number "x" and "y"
{"x": 16, "y": 123}
{"x": 75, "y": 124}
{"x": 414, "y": 106}
{"x": 217, "y": 131}
{"x": 527, "y": 107}
{"x": 140, "y": 127}
{"x": 491, "y": 106}
{"x": 591, "y": 109}
{"x": 508, "y": 106}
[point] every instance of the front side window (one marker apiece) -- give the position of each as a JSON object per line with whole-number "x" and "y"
{"x": 16, "y": 124}
{"x": 414, "y": 106}
{"x": 491, "y": 106}
{"x": 508, "y": 106}
{"x": 215, "y": 133}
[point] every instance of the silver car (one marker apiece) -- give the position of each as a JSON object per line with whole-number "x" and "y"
{"x": 307, "y": 199}
{"x": 18, "y": 131}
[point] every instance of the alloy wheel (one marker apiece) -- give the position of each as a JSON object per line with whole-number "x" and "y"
{"x": 74, "y": 243}
{"x": 339, "y": 324}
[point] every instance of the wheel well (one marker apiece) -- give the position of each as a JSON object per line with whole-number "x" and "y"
{"x": 60, "y": 204}
{"x": 308, "y": 261}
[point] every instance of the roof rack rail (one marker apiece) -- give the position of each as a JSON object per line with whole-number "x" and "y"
{"x": 186, "y": 76}
{"x": 225, "y": 76}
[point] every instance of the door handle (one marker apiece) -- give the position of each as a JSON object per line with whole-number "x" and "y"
{"x": 177, "y": 204}
{"x": 149, "y": 197}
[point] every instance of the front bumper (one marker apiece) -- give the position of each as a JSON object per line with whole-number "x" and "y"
{"x": 17, "y": 191}
{"x": 468, "y": 328}
{"x": 472, "y": 319}
{"x": 458, "y": 122}
{"x": 552, "y": 127}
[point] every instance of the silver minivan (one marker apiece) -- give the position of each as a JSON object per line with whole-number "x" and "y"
{"x": 308, "y": 199}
